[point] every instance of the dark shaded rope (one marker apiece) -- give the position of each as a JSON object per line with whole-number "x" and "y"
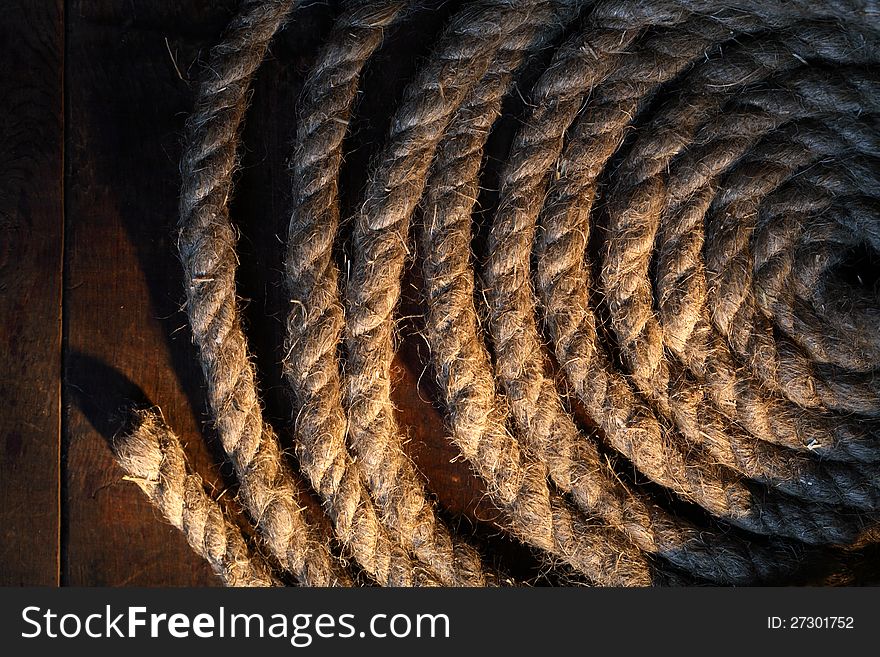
{"x": 791, "y": 264}
{"x": 602, "y": 391}
{"x": 798, "y": 472}
{"x": 828, "y": 390}
{"x": 799, "y": 475}
{"x": 804, "y": 96}
{"x": 793, "y": 428}
{"x": 563, "y": 280}
{"x": 677, "y": 303}
{"x": 553, "y": 428}
{"x": 686, "y": 329}
{"x": 561, "y": 245}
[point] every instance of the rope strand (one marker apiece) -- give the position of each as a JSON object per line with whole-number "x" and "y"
{"x": 153, "y": 458}
{"x": 207, "y": 251}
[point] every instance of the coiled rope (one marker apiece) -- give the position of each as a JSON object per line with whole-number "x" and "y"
{"x": 660, "y": 350}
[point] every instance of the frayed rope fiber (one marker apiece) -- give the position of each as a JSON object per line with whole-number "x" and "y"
{"x": 656, "y": 339}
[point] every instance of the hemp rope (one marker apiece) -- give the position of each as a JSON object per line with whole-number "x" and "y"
{"x": 207, "y": 250}
{"x": 515, "y": 482}
{"x": 315, "y": 325}
{"x": 154, "y": 459}
{"x": 451, "y": 328}
{"x": 661, "y": 289}
{"x": 560, "y": 259}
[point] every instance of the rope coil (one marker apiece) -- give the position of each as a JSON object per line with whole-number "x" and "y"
{"x": 675, "y": 281}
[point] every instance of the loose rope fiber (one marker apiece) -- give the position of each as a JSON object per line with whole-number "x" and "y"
{"x": 646, "y": 240}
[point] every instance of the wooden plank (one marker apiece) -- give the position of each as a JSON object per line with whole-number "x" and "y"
{"x": 126, "y": 104}
{"x": 31, "y": 223}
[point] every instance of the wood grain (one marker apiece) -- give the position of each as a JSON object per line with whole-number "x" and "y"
{"x": 31, "y": 196}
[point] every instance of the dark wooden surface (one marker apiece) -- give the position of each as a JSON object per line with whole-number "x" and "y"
{"x": 125, "y": 106}
{"x": 93, "y": 97}
{"x": 31, "y": 238}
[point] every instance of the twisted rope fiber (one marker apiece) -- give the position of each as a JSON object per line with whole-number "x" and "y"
{"x": 794, "y": 471}
{"x": 541, "y": 519}
{"x": 462, "y": 364}
{"x": 544, "y": 425}
{"x": 461, "y": 361}
{"x": 561, "y": 256}
{"x": 513, "y": 329}
{"x": 207, "y": 251}
{"x": 767, "y": 417}
{"x": 380, "y": 234}
{"x": 536, "y": 417}
{"x": 752, "y": 124}
{"x": 729, "y": 377}
{"x": 845, "y": 485}
{"x": 788, "y": 267}
{"x": 802, "y": 381}
{"x": 315, "y": 324}
{"x": 152, "y": 455}
{"x": 679, "y": 201}
{"x": 373, "y": 289}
